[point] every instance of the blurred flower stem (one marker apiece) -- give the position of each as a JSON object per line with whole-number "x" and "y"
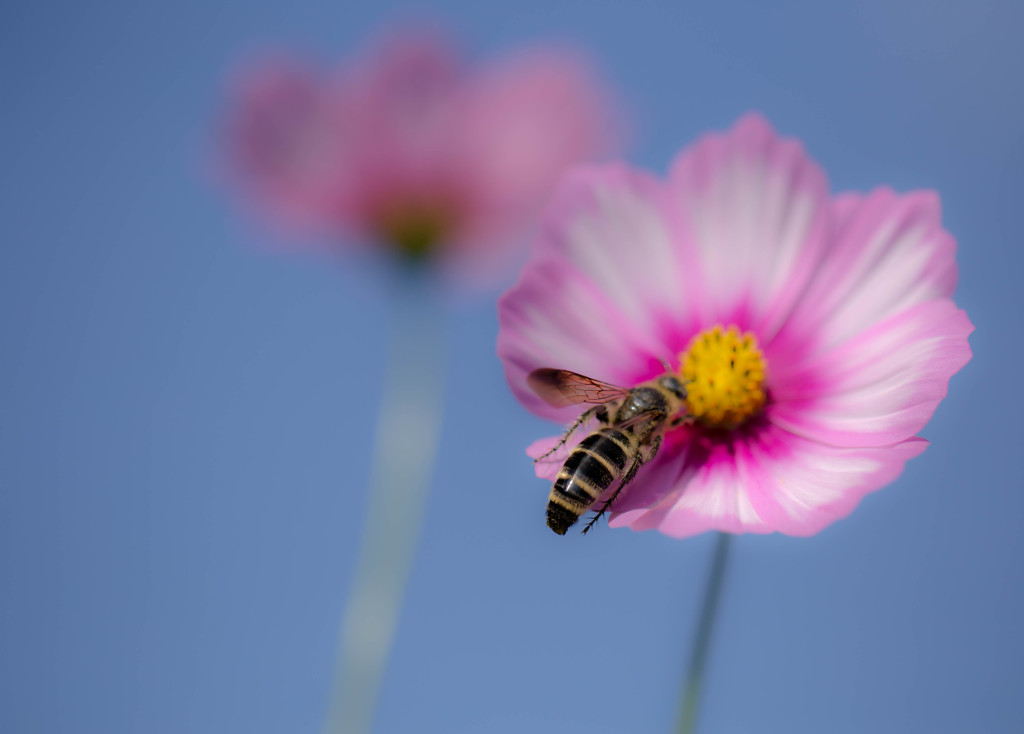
{"x": 702, "y": 636}
{"x": 405, "y": 446}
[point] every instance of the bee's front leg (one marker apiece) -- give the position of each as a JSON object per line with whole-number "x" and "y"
{"x": 598, "y": 411}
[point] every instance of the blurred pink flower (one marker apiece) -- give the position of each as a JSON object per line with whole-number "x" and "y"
{"x": 837, "y": 333}
{"x": 411, "y": 148}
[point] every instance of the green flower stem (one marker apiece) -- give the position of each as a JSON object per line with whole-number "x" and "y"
{"x": 690, "y": 706}
{"x": 405, "y": 447}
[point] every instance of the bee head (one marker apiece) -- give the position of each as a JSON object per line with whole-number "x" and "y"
{"x": 673, "y": 385}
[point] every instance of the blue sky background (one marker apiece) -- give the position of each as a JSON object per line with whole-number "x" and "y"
{"x": 178, "y": 510}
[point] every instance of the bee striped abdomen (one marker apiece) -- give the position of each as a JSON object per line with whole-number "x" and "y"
{"x": 591, "y": 468}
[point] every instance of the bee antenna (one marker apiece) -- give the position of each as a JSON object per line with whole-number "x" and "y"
{"x": 665, "y": 364}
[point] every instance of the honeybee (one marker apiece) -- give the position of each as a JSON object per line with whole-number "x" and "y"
{"x": 633, "y": 424}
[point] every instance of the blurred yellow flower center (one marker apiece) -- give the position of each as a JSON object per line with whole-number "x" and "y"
{"x": 415, "y": 229}
{"x": 724, "y": 373}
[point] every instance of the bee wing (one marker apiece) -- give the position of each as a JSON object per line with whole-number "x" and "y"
{"x": 635, "y": 421}
{"x": 560, "y": 388}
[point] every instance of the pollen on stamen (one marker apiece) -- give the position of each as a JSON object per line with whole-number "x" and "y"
{"x": 724, "y": 373}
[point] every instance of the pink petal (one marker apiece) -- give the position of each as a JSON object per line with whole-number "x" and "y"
{"x": 880, "y": 387}
{"x": 889, "y": 252}
{"x": 287, "y": 142}
{"x": 405, "y": 102}
{"x": 546, "y": 110}
{"x": 755, "y": 213}
{"x": 547, "y": 468}
{"x": 525, "y": 121}
{"x": 405, "y": 95}
{"x": 554, "y": 317}
{"x": 614, "y": 225}
{"x": 576, "y": 305}
{"x": 772, "y": 482}
{"x": 707, "y": 478}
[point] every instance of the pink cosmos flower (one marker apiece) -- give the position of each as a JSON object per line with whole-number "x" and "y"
{"x": 816, "y": 333}
{"x": 410, "y": 147}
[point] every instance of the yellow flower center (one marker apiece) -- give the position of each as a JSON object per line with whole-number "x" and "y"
{"x": 724, "y": 373}
{"x": 415, "y": 230}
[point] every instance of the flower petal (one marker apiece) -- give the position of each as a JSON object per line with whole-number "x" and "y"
{"x": 406, "y": 97}
{"x": 576, "y": 306}
{"x": 287, "y": 142}
{"x": 548, "y": 467}
{"x": 615, "y": 226}
{"x": 880, "y": 387}
{"x": 777, "y": 482}
{"x": 889, "y": 253}
{"x": 755, "y": 216}
{"x": 554, "y": 317}
{"x": 548, "y": 111}
{"x": 404, "y": 104}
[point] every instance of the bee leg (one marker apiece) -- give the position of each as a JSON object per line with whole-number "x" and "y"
{"x": 633, "y": 469}
{"x": 600, "y": 411}
{"x": 655, "y": 445}
{"x": 630, "y": 474}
